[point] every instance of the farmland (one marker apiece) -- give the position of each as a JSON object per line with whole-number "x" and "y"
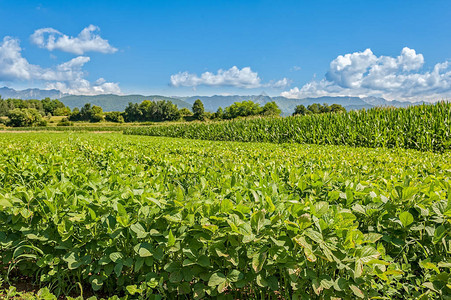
{"x": 157, "y": 217}
{"x": 421, "y": 127}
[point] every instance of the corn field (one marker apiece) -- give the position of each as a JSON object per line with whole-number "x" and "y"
{"x": 422, "y": 127}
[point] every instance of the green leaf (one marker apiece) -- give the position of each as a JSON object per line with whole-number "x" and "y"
{"x": 133, "y": 289}
{"x": 96, "y": 284}
{"x": 257, "y": 220}
{"x": 258, "y": 260}
{"x": 144, "y": 249}
{"x": 358, "y": 292}
{"x": 203, "y": 261}
{"x": 438, "y": 234}
{"x": 314, "y": 235}
{"x": 5, "y": 203}
{"x": 115, "y": 256}
{"x": 171, "y": 239}
{"x": 118, "y": 269}
{"x": 217, "y": 279}
{"x": 139, "y": 230}
{"x": 234, "y": 276}
{"x": 176, "y": 277}
{"x": 73, "y": 261}
{"x": 406, "y": 218}
{"x": 45, "y": 294}
{"x": 429, "y": 265}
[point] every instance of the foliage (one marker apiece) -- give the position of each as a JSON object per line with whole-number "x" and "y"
{"x": 270, "y": 109}
{"x": 65, "y": 122}
{"x": 248, "y": 108}
{"x": 156, "y": 111}
{"x": 422, "y": 127}
{"x": 114, "y": 116}
{"x": 185, "y": 112}
{"x": 317, "y": 108}
{"x": 219, "y": 114}
{"x": 46, "y": 106}
{"x": 242, "y": 109}
{"x": 25, "y": 117}
{"x": 198, "y": 110}
{"x": 166, "y": 218}
{"x": 87, "y": 113}
{"x": 89, "y": 127}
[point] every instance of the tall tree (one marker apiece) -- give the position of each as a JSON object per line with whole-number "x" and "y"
{"x": 198, "y": 110}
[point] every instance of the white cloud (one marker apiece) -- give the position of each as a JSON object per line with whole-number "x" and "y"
{"x": 365, "y": 74}
{"x": 242, "y": 78}
{"x": 279, "y": 84}
{"x": 84, "y": 87}
{"x": 68, "y": 76}
{"x": 86, "y": 41}
{"x": 12, "y": 64}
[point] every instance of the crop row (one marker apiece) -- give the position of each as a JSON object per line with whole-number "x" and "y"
{"x": 422, "y": 127}
{"x": 68, "y": 128}
{"x": 162, "y": 217}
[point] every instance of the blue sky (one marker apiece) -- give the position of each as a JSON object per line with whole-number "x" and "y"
{"x": 290, "y": 48}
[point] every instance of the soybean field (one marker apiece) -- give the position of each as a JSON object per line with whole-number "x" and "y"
{"x": 145, "y": 217}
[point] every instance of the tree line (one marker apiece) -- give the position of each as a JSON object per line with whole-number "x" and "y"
{"x": 27, "y": 113}
{"x": 46, "y": 107}
{"x": 160, "y": 111}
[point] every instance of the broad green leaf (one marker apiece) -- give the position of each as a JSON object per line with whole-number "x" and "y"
{"x": 358, "y": 292}
{"x": 406, "y": 218}
{"x": 144, "y": 249}
{"x": 217, "y": 279}
{"x": 139, "y": 230}
{"x": 234, "y": 276}
{"x": 115, "y": 256}
{"x": 258, "y": 260}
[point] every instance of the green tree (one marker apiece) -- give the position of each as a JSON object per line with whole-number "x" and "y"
{"x": 114, "y": 116}
{"x": 133, "y": 113}
{"x": 198, "y": 110}
{"x": 300, "y": 110}
{"x": 61, "y": 111}
{"x": 270, "y": 109}
{"x": 75, "y": 115}
{"x": 185, "y": 112}
{"x": 96, "y": 114}
{"x": 242, "y": 109}
{"x": 25, "y": 117}
{"x": 315, "y": 108}
{"x": 219, "y": 114}
{"x": 337, "y": 108}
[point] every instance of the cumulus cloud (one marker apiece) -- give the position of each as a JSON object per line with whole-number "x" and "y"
{"x": 365, "y": 74}
{"x": 67, "y": 77}
{"x": 87, "y": 41}
{"x": 279, "y": 84}
{"x": 242, "y": 78}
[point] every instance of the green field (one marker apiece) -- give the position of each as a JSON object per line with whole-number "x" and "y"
{"x": 161, "y": 218}
{"x": 421, "y": 127}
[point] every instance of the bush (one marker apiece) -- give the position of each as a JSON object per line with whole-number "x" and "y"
{"x": 65, "y": 122}
{"x": 114, "y": 116}
{"x": 25, "y": 117}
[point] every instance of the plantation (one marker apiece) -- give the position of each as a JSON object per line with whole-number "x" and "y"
{"x": 161, "y": 218}
{"x": 422, "y": 127}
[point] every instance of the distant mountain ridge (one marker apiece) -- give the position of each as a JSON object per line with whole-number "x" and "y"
{"x": 6, "y": 92}
{"x": 111, "y": 102}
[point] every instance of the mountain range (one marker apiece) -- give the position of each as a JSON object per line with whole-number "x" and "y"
{"x": 110, "y": 102}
